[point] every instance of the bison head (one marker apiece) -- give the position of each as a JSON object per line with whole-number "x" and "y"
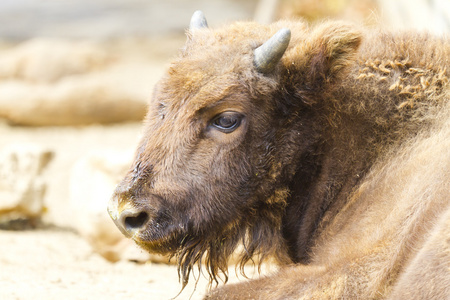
{"x": 235, "y": 118}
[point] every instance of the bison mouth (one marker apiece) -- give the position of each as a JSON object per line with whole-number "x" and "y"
{"x": 161, "y": 238}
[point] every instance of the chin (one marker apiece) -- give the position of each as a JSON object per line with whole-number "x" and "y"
{"x": 166, "y": 244}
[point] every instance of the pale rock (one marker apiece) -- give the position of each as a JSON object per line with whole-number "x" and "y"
{"x": 43, "y": 60}
{"x": 75, "y": 101}
{"x": 55, "y": 82}
{"x": 22, "y": 187}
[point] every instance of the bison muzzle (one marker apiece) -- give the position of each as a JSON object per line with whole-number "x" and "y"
{"x": 325, "y": 147}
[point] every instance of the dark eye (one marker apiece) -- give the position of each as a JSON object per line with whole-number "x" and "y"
{"x": 227, "y": 122}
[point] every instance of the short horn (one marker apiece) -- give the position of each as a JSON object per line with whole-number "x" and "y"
{"x": 269, "y": 54}
{"x": 198, "y": 21}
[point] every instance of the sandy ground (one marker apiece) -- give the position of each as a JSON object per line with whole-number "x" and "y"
{"x": 56, "y": 264}
{"x": 59, "y": 264}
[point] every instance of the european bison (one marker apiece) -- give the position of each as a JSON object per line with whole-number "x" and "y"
{"x": 328, "y": 149}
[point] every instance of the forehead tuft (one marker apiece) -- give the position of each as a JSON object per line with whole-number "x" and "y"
{"x": 197, "y": 88}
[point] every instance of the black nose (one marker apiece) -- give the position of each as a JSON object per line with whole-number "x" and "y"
{"x": 131, "y": 221}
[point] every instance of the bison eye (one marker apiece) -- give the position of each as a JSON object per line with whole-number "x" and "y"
{"x": 227, "y": 122}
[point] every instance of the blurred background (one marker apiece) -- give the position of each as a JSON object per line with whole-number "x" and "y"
{"x": 75, "y": 77}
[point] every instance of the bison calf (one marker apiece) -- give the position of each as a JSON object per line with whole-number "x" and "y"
{"x": 327, "y": 148}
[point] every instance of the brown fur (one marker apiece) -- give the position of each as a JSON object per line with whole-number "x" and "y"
{"x": 340, "y": 168}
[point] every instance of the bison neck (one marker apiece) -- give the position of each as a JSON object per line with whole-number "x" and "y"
{"x": 365, "y": 116}
{"x": 327, "y": 174}
{"x": 322, "y": 184}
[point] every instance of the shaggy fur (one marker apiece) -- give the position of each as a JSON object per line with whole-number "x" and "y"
{"x": 340, "y": 167}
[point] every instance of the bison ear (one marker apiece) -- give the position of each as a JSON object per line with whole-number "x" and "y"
{"x": 323, "y": 57}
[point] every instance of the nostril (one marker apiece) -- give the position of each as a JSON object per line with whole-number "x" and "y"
{"x": 136, "y": 222}
{"x": 131, "y": 221}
